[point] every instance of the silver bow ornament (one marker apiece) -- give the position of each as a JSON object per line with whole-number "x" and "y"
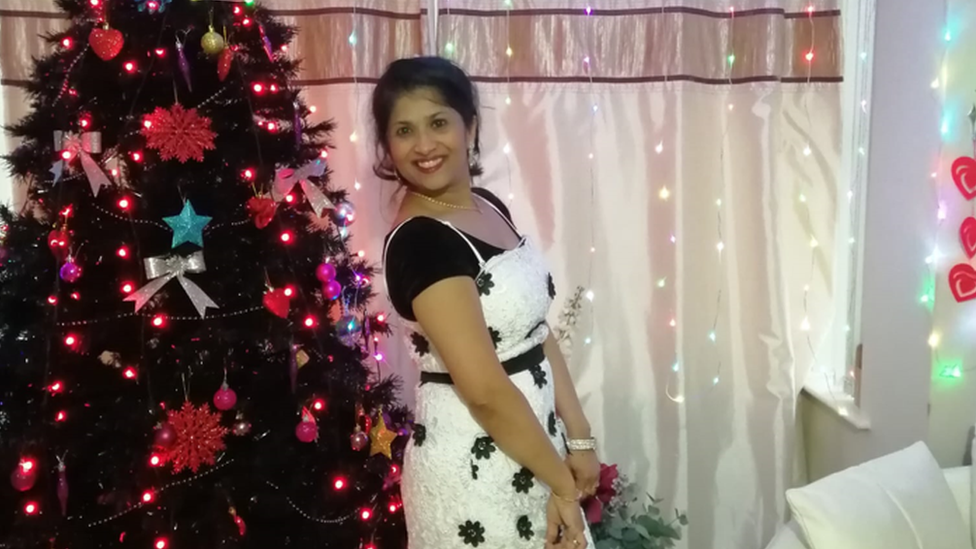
{"x": 161, "y": 269}
{"x": 287, "y": 178}
{"x": 83, "y": 146}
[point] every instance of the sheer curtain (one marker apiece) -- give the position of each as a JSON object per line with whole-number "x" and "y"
{"x": 679, "y": 161}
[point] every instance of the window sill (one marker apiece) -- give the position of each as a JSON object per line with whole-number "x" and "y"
{"x": 840, "y": 403}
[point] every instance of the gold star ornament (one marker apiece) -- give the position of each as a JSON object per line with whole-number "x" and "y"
{"x": 381, "y": 438}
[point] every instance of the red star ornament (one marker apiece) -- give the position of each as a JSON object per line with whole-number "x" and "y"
{"x": 178, "y": 133}
{"x": 199, "y": 436}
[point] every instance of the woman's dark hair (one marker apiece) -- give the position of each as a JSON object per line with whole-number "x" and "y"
{"x": 434, "y": 73}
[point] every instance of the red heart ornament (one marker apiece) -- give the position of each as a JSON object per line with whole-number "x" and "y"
{"x": 962, "y": 282}
{"x": 964, "y": 175}
{"x": 59, "y": 243}
{"x": 262, "y": 209}
{"x": 224, "y": 63}
{"x": 277, "y": 302}
{"x": 106, "y": 42}
{"x": 967, "y": 233}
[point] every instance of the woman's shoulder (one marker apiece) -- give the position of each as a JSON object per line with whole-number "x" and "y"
{"x": 493, "y": 199}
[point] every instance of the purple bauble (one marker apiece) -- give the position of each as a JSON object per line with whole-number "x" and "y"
{"x": 70, "y": 271}
{"x": 225, "y": 398}
{"x": 331, "y": 289}
{"x": 307, "y": 431}
{"x": 325, "y": 272}
{"x": 358, "y": 440}
{"x": 165, "y": 436}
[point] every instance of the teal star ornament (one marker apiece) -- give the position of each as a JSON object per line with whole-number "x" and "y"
{"x": 188, "y": 226}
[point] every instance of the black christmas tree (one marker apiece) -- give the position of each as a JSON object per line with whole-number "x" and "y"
{"x": 186, "y": 347}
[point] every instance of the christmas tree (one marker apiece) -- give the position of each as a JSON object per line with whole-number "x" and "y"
{"x": 187, "y": 354}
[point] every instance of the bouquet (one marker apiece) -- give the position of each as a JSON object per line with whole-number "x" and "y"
{"x": 617, "y": 522}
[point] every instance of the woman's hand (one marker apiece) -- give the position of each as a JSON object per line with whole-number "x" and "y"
{"x": 569, "y": 516}
{"x": 585, "y": 467}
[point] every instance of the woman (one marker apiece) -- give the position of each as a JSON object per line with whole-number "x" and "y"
{"x": 486, "y": 466}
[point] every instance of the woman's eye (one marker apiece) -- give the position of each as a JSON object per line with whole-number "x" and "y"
{"x": 439, "y": 123}
{"x": 403, "y": 130}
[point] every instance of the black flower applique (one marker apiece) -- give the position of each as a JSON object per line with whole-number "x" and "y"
{"x": 484, "y": 283}
{"x": 538, "y": 376}
{"x": 420, "y": 344}
{"x": 552, "y": 424}
{"x": 483, "y": 447}
{"x": 472, "y": 533}
{"x": 496, "y": 336}
{"x": 474, "y": 470}
{"x": 524, "y": 526}
{"x": 419, "y": 434}
{"x": 552, "y": 288}
{"x": 523, "y": 481}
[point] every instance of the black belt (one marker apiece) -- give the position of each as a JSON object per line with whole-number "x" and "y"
{"x": 531, "y": 358}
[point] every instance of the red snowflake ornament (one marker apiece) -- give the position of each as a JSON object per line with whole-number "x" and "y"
{"x": 199, "y": 436}
{"x": 178, "y": 133}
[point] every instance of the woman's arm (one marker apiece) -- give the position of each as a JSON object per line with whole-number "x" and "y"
{"x": 567, "y": 402}
{"x": 450, "y": 313}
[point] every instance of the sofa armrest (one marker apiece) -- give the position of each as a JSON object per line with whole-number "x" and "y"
{"x": 959, "y": 482}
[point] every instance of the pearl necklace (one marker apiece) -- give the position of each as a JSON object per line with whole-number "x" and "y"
{"x": 444, "y": 204}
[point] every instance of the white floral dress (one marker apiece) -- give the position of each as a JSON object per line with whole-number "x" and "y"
{"x": 460, "y": 490}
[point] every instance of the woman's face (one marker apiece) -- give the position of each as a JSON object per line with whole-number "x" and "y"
{"x": 428, "y": 142}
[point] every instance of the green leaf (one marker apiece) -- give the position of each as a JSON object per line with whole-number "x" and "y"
{"x": 630, "y": 534}
{"x": 607, "y": 544}
{"x": 642, "y": 531}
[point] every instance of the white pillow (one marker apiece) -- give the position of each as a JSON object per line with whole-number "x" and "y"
{"x": 899, "y": 501}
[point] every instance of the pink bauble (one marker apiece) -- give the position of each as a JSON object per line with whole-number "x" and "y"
{"x": 331, "y": 289}
{"x": 70, "y": 271}
{"x": 24, "y": 476}
{"x": 358, "y": 440}
{"x": 307, "y": 431}
{"x": 325, "y": 272}
{"x": 165, "y": 436}
{"x": 225, "y": 398}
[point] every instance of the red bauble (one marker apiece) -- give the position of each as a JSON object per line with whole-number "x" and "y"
{"x": 24, "y": 475}
{"x": 225, "y": 398}
{"x": 358, "y": 440}
{"x": 307, "y": 430}
{"x": 224, "y": 63}
{"x": 106, "y": 42}
{"x": 165, "y": 436}
{"x": 277, "y": 302}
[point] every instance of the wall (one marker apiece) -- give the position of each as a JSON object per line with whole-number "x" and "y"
{"x": 954, "y": 399}
{"x": 900, "y": 225}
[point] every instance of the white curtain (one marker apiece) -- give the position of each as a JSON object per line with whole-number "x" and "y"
{"x": 680, "y": 168}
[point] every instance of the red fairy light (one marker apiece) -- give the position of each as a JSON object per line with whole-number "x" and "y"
{"x": 272, "y": 127}
{"x": 55, "y": 388}
{"x": 137, "y": 156}
{"x": 248, "y": 173}
{"x": 339, "y": 483}
{"x": 130, "y": 66}
{"x": 289, "y": 198}
{"x": 129, "y": 373}
{"x": 148, "y": 496}
{"x": 123, "y": 252}
{"x": 155, "y": 460}
{"x": 318, "y": 405}
{"x": 70, "y": 340}
{"x": 124, "y": 203}
{"x": 366, "y": 514}
{"x": 127, "y": 288}
{"x": 84, "y": 122}
{"x": 258, "y": 88}
{"x": 160, "y": 52}
{"x": 161, "y": 543}
{"x": 286, "y": 237}
{"x": 147, "y": 123}
{"x": 246, "y": 22}
{"x": 67, "y": 43}
{"x": 52, "y": 299}
{"x": 289, "y": 291}
{"x": 31, "y": 508}
{"x": 75, "y": 296}
{"x": 237, "y": 10}
{"x": 309, "y": 321}
{"x": 66, "y": 155}
{"x": 274, "y": 88}
{"x": 158, "y": 321}
{"x": 61, "y": 416}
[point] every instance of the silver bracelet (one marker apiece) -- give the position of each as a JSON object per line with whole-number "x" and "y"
{"x": 581, "y": 444}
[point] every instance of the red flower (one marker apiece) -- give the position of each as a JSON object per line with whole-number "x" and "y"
{"x": 605, "y": 492}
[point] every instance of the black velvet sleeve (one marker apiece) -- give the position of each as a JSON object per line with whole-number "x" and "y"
{"x": 422, "y": 252}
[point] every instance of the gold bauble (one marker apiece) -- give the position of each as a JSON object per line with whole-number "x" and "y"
{"x": 212, "y": 43}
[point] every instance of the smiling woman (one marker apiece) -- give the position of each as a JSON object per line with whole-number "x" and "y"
{"x": 474, "y": 294}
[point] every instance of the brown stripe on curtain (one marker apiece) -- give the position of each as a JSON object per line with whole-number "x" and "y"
{"x": 322, "y": 43}
{"x": 644, "y": 45}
